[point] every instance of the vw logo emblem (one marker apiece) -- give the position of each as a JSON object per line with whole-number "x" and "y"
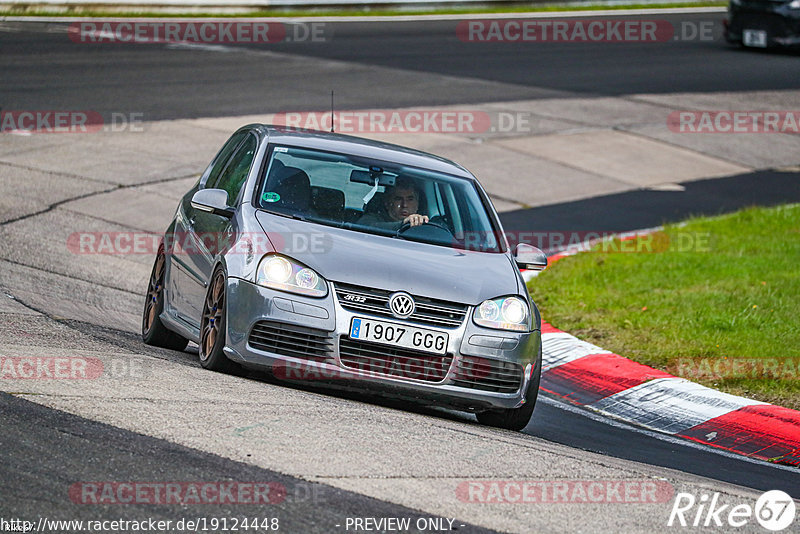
{"x": 402, "y": 305}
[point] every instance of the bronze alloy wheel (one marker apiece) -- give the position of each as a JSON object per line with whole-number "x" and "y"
{"x": 213, "y": 316}
{"x": 212, "y": 327}
{"x": 154, "y": 332}
{"x": 154, "y": 290}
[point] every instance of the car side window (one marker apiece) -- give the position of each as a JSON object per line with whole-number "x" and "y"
{"x": 222, "y": 159}
{"x": 232, "y": 178}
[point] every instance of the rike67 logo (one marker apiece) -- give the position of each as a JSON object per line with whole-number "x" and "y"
{"x": 774, "y": 510}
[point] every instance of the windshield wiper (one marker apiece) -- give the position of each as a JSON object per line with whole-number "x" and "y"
{"x": 294, "y": 216}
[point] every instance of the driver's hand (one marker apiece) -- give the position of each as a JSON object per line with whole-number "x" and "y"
{"x": 415, "y": 219}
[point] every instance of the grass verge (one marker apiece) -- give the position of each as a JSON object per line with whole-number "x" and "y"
{"x": 717, "y": 301}
{"x": 33, "y": 10}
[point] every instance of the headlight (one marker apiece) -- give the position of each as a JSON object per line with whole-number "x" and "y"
{"x": 505, "y": 313}
{"x": 794, "y": 4}
{"x": 284, "y": 274}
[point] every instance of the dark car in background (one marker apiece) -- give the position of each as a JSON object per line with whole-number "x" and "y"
{"x": 763, "y": 23}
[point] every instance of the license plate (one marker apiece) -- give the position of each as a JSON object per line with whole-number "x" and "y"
{"x": 755, "y": 38}
{"x": 398, "y": 335}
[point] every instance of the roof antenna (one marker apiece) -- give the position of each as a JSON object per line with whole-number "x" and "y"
{"x": 333, "y": 117}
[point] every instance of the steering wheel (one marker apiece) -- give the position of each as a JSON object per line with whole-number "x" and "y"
{"x": 405, "y": 226}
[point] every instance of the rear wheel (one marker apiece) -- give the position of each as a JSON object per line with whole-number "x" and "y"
{"x": 153, "y": 330}
{"x": 516, "y": 418}
{"x": 212, "y": 327}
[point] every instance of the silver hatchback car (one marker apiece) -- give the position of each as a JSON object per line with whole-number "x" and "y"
{"x": 356, "y": 263}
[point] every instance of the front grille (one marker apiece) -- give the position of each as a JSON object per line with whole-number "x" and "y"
{"x": 291, "y": 340}
{"x": 393, "y": 361}
{"x": 376, "y": 301}
{"x": 487, "y": 375}
{"x": 753, "y": 18}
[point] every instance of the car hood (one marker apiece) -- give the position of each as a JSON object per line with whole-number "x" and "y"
{"x": 368, "y": 260}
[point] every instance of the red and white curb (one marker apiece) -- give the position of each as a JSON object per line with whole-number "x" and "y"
{"x": 606, "y": 383}
{"x": 611, "y": 385}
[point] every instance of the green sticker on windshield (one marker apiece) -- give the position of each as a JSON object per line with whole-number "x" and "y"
{"x": 270, "y": 197}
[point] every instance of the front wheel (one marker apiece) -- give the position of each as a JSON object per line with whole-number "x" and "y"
{"x": 516, "y": 418}
{"x": 212, "y": 327}
{"x": 153, "y": 330}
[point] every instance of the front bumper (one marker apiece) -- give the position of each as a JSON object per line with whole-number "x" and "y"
{"x": 781, "y": 25}
{"x": 250, "y": 304}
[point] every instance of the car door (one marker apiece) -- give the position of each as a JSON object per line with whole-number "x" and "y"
{"x": 213, "y": 234}
{"x": 184, "y": 278}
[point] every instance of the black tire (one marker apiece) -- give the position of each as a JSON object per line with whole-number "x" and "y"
{"x": 212, "y": 327}
{"x": 516, "y": 418}
{"x": 153, "y": 330}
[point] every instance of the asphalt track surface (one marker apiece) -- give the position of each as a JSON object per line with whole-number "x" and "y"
{"x": 47, "y": 73}
{"x": 170, "y": 81}
{"x": 102, "y": 452}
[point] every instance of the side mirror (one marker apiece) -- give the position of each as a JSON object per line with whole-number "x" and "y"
{"x": 213, "y": 201}
{"x": 530, "y": 257}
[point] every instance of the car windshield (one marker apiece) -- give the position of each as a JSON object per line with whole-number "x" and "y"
{"x": 377, "y": 197}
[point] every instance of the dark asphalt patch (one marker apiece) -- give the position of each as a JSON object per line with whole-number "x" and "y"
{"x": 640, "y": 209}
{"x": 46, "y": 452}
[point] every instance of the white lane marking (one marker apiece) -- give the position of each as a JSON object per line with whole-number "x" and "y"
{"x": 657, "y": 435}
{"x": 560, "y": 348}
{"x": 669, "y": 405}
{"x": 206, "y": 47}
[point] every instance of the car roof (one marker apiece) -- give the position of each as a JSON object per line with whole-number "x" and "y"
{"x": 359, "y": 146}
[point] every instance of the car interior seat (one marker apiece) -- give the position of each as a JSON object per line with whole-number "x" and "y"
{"x": 293, "y": 187}
{"x": 328, "y": 202}
{"x": 375, "y": 205}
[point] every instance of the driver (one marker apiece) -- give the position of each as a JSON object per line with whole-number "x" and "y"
{"x": 400, "y": 207}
